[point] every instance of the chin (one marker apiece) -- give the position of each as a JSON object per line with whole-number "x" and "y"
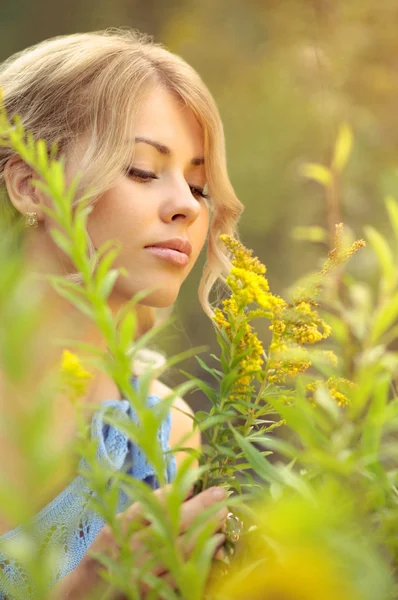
{"x": 159, "y": 298}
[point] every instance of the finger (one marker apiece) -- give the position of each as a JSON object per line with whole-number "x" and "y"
{"x": 185, "y": 546}
{"x": 189, "y": 544}
{"x": 194, "y": 507}
{"x": 157, "y": 582}
{"x": 134, "y": 514}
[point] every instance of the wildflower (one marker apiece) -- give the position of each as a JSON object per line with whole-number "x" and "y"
{"x": 339, "y": 255}
{"x": 301, "y": 324}
{"x": 286, "y": 361}
{"x": 334, "y": 386}
{"x": 297, "y": 547}
{"x": 305, "y": 573}
{"x": 294, "y": 326}
{"x": 248, "y": 285}
{"x": 74, "y": 378}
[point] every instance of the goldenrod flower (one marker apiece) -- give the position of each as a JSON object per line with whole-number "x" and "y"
{"x": 334, "y": 386}
{"x": 74, "y": 378}
{"x": 340, "y": 255}
{"x": 301, "y": 574}
{"x": 296, "y": 548}
{"x": 248, "y": 285}
{"x": 286, "y": 361}
{"x": 292, "y": 324}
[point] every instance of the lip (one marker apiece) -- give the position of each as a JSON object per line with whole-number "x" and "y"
{"x": 173, "y": 256}
{"x": 176, "y": 250}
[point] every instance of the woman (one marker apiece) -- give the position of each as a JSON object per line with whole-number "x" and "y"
{"x": 142, "y": 128}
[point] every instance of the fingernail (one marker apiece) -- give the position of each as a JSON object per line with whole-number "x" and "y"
{"x": 218, "y": 493}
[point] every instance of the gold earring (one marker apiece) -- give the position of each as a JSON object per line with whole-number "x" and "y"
{"x": 31, "y": 219}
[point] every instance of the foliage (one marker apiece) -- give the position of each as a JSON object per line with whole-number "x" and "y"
{"x": 90, "y": 297}
{"x": 309, "y": 438}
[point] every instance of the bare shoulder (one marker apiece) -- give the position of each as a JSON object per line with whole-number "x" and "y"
{"x": 182, "y": 424}
{"x": 162, "y": 390}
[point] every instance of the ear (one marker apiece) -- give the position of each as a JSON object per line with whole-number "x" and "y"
{"x": 24, "y": 196}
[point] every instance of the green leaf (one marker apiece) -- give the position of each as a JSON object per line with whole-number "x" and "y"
{"x": 392, "y": 209}
{"x": 310, "y": 234}
{"x": 56, "y": 179}
{"x": 61, "y": 240}
{"x": 210, "y": 393}
{"x": 211, "y": 421}
{"x": 343, "y": 147}
{"x": 375, "y": 419}
{"x": 228, "y": 381}
{"x": 73, "y": 296}
{"x": 384, "y": 318}
{"x": 41, "y": 155}
{"x": 258, "y": 462}
{"x": 107, "y": 283}
{"x": 318, "y": 173}
{"x": 384, "y": 256}
{"x": 127, "y": 330}
{"x": 105, "y": 263}
{"x": 208, "y": 369}
{"x": 276, "y": 444}
{"x": 239, "y": 357}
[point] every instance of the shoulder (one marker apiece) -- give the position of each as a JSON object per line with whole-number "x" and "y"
{"x": 182, "y": 423}
{"x": 162, "y": 390}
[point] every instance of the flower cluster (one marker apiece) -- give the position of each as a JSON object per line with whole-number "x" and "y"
{"x": 306, "y": 573}
{"x": 334, "y": 385}
{"x": 339, "y": 255}
{"x": 294, "y": 325}
{"x": 74, "y": 378}
{"x": 252, "y": 362}
{"x": 248, "y": 285}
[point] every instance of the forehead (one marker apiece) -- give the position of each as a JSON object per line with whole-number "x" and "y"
{"x": 164, "y": 118}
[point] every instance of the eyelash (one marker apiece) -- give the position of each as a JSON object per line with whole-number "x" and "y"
{"x": 146, "y": 176}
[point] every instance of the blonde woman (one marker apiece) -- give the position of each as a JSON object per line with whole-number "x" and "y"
{"x": 142, "y": 128}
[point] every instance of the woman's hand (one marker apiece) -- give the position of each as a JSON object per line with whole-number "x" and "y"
{"x": 85, "y": 579}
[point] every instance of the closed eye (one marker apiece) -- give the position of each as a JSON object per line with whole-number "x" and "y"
{"x": 140, "y": 175}
{"x": 197, "y": 191}
{"x": 147, "y": 176}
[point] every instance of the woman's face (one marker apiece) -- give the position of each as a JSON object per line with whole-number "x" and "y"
{"x": 158, "y": 199}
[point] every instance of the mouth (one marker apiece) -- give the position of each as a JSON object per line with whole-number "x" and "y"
{"x": 176, "y": 250}
{"x": 171, "y": 255}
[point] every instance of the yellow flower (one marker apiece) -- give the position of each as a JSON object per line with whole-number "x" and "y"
{"x": 297, "y": 548}
{"x": 74, "y": 378}
{"x": 248, "y": 285}
{"x": 340, "y": 255}
{"x": 301, "y": 574}
{"x": 334, "y": 386}
{"x": 286, "y": 361}
{"x": 293, "y": 325}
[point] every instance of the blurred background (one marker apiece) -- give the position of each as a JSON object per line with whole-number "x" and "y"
{"x": 285, "y": 75}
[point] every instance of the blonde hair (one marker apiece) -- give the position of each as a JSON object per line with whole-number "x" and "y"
{"x": 93, "y": 83}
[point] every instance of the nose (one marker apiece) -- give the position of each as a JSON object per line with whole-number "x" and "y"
{"x": 180, "y": 203}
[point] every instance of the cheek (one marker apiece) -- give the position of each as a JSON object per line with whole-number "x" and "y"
{"x": 202, "y": 228}
{"x": 116, "y": 216}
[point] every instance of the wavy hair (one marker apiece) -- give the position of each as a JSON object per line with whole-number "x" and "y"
{"x": 93, "y": 84}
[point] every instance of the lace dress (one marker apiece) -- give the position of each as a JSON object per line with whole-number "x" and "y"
{"x": 67, "y": 522}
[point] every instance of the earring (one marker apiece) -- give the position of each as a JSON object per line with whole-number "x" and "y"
{"x": 31, "y": 219}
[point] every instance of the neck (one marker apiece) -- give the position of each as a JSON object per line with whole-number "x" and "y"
{"x": 64, "y": 321}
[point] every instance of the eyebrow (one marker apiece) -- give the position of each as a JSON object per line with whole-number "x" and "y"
{"x": 197, "y": 161}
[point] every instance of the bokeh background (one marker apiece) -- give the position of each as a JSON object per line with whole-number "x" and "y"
{"x": 285, "y": 74}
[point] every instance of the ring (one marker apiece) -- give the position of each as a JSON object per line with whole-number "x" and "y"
{"x": 232, "y": 527}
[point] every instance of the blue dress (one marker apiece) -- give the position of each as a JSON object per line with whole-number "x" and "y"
{"x": 67, "y": 522}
